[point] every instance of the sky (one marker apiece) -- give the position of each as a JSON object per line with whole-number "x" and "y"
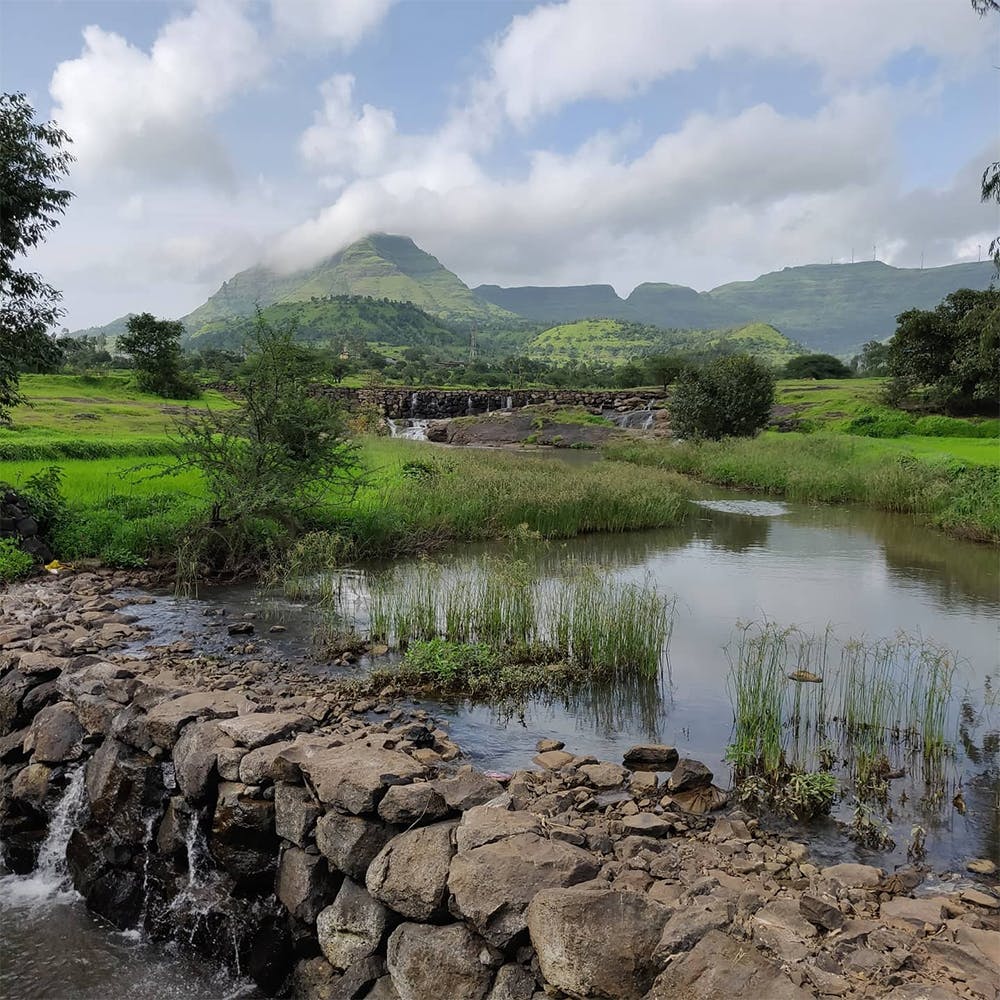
{"x": 617, "y": 141}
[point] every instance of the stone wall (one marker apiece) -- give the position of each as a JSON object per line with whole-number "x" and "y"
{"x": 17, "y": 522}
{"x": 436, "y": 404}
{"x": 336, "y": 847}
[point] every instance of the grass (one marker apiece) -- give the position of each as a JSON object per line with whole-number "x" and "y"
{"x": 415, "y": 498}
{"x": 961, "y": 498}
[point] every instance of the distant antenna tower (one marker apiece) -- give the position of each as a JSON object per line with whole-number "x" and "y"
{"x": 852, "y": 255}
{"x": 874, "y": 250}
{"x": 473, "y": 344}
{"x": 980, "y": 253}
{"x": 921, "y": 260}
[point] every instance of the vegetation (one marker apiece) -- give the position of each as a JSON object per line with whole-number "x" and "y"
{"x": 832, "y": 468}
{"x": 816, "y": 366}
{"x": 154, "y": 346}
{"x": 14, "y": 562}
{"x": 949, "y": 357}
{"x": 731, "y": 397}
{"x": 32, "y": 163}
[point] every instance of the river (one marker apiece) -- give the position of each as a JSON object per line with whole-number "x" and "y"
{"x": 737, "y": 559}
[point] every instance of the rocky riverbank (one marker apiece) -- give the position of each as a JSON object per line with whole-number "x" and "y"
{"x": 325, "y": 842}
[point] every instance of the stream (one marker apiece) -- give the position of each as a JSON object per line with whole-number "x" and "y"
{"x": 737, "y": 559}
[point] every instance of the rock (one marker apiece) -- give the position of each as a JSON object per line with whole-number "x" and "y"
{"x": 821, "y": 912}
{"x": 729, "y": 829}
{"x": 260, "y": 728}
{"x": 295, "y": 813}
{"x": 651, "y": 757}
{"x": 646, "y": 825}
{"x": 40, "y": 663}
{"x": 703, "y": 799}
{"x": 485, "y": 824}
{"x": 719, "y": 966}
{"x": 596, "y": 942}
{"x": 605, "y": 775}
{"x": 492, "y": 885}
{"x": 55, "y": 734}
{"x": 967, "y": 963}
{"x": 513, "y": 982}
{"x": 243, "y": 840}
{"x": 467, "y": 789}
{"x": 166, "y": 719}
{"x": 780, "y": 927}
{"x": 315, "y": 979}
{"x": 32, "y": 784}
{"x": 542, "y": 746}
{"x": 351, "y": 927}
{"x": 410, "y": 874}
{"x": 407, "y": 805}
{"x": 195, "y": 755}
{"x": 355, "y": 778}
{"x": 852, "y": 876}
{"x": 241, "y": 628}
{"x": 303, "y": 883}
{"x": 258, "y": 767}
{"x": 689, "y": 774}
{"x": 123, "y": 785}
{"x": 690, "y": 924}
{"x": 921, "y": 991}
{"x": 382, "y": 989}
{"x": 976, "y": 898}
{"x": 446, "y": 963}
{"x": 350, "y": 842}
{"x": 552, "y": 760}
{"x": 912, "y": 914}
{"x": 982, "y": 866}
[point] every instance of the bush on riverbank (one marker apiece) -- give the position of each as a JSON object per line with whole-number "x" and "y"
{"x": 963, "y": 499}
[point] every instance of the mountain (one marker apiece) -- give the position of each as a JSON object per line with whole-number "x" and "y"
{"x": 379, "y": 266}
{"x": 337, "y": 320}
{"x": 621, "y": 340}
{"x": 828, "y": 307}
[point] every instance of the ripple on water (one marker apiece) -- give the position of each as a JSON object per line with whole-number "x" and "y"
{"x": 752, "y": 508}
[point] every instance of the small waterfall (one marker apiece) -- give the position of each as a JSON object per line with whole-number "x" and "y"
{"x": 51, "y": 865}
{"x": 641, "y": 420}
{"x": 414, "y": 397}
{"x": 410, "y": 430}
{"x": 468, "y": 405}
{"x": 510, "y": 403}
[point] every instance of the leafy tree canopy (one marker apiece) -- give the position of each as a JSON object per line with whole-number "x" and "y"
{"x": 32, "y": 163}
{"x": 816, "y": 366}
{"x": 731, "y": 397}
{"x": 154, "y": 346}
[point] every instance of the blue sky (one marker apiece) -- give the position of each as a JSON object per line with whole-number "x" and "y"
{"x": 692, "y": 141}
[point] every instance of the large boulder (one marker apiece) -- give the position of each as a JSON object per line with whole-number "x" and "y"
{"x": 486, "y": 824}
{"x": 124, "y": 786}
{"x": 167, "y": 718}
{"x": 354, "y": 778}
{"x": 651, "y": 757}
{"x": 492, "y": 885}
{"x": 689, "y": 774}
{"x": 260, "y": 728}
{"x": 717, "y": 967}
{"x": 56, "y": 735}
{"x": 350, "y": 842}
{"x": 596, "y": 942}
{"x": 195, "y": 755}
{"x": 440, "y": 962}
{"x": 243, "y": 840}
{"x": 413, "y": 805}
{"x": 351, "y": 927}
{"x": 468, "y": 788}
{"x": 303, "y": 884}
{"x": 410, "y": 874}
{"x": 295, "y": 813}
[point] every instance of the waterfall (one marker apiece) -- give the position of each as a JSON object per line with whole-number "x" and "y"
{"x": 413, "y": 403}
{"x": 393, "y": 427}
{"x": 51, "y": 865}
{"x": 468, "y": 405}
{"x": 410, "y": 430}
{"x": 641, "y": 420}
{"x": 510, "y": 403}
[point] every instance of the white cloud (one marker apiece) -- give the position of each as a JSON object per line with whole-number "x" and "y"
{"x": 134, "y": 112}
{"x": 314, "y": 23}
{"x": 559, "y": 53}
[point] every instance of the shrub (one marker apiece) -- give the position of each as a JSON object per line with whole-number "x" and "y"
{"x": 816, "y": 366}
{"x": 880, "y": 424}
{"x": 953, "y": 427}
{"x": 14, "y": 562}
{"x": 43, "y": 493}
{"x": 731, "y": 397}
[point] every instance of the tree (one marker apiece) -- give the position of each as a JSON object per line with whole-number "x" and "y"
{"x": 873, "y": 359}
{"x": 281, "y": 451}
{"x": 32, "y": 162}
{"x": 154, "y": 346}
{"x": 731, "y": 397}
{"x": 665, "y": 368}
{"x": 816, "y": 366}
{"x": 950, "y": 354}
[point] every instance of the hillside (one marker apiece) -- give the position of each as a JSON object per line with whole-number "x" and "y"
{"x": 338, "y": 319}
{"x": 380, "y": 266}
{"x": 619, "y": 340}
{"x": 828, "y": 307}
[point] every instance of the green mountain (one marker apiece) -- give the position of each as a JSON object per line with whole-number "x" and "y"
{"x": 620, "y": 340}
{"x": 338, "y": 320}
{"x": 828, "y": 307}
{"x": 379, "y": 266}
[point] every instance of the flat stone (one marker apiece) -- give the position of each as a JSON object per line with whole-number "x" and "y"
{"x": 351, "y": 842}
{"x": 258, "y": 767}
{"x": 605, "y": 775}
{"x": 351, "y": 927}
{"x": 355, "y": 778}
{"x": 780, "y": 927}
{"x": 982, "y": 866}
{"x": 418, "y": 803}
{"x": 596, "y": 942}
{"x": 166, "y": 719}
{"x": 259, "y": 728}
{"x": 976, "y": 898}
{"x": 912, "y": 914}
{"x": 921, "y": 991}
{"x": 410, "y": 874}
{"x": 492, "y": 885}
{"x": 726, "y": 829}
{"x": 467, "y": 789}
{"x": 485, "y": 824}
{"x": 647, "y": 825}
{"x": 552, "y": 760}
{"x": 542, "y": 746}
{"x": 651, "y": 757}
{"x": 821, "y": 912}
{"x": 690, "y": 924}
{"x": 853, "y": 876}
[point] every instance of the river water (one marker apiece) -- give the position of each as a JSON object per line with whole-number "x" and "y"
{"x": 737, "y": 559}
